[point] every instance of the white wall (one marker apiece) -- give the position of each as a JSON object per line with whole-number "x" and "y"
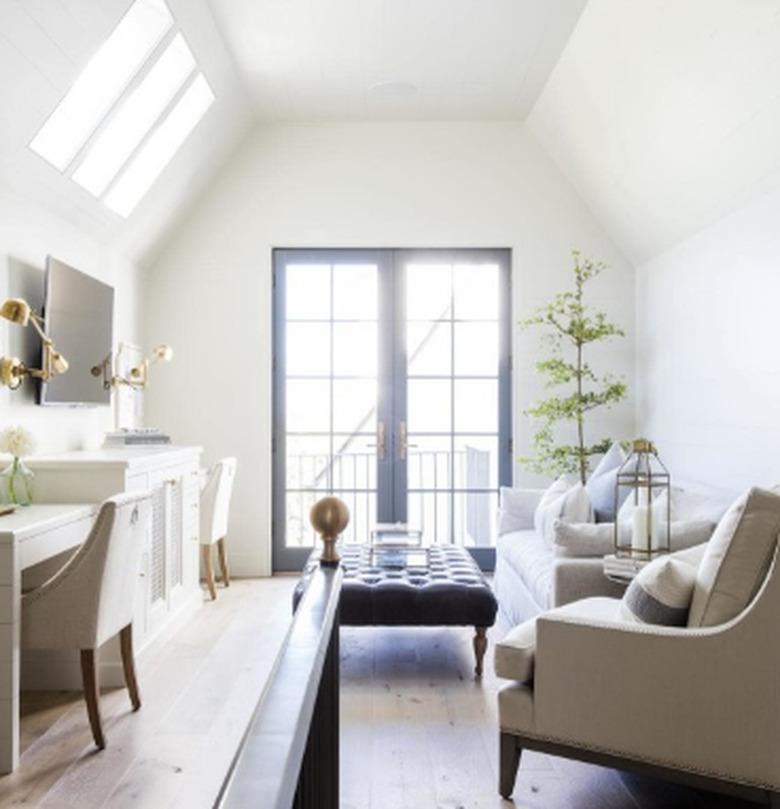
{"x": 708, "y": 361}
{"x": 374, "y": 185}
{"x": 27, "y": 234}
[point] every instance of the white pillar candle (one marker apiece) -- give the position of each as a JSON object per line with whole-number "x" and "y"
{"x": 639, "y": 528}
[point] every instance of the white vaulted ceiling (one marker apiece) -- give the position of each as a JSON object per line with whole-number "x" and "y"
{"x": 396, "y": 59}
{"x": 666, "y": 114}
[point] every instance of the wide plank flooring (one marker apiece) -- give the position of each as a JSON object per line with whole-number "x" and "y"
{"x": 417, "y": 730}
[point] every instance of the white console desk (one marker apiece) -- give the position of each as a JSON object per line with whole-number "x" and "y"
{"x": 29, "y": 535}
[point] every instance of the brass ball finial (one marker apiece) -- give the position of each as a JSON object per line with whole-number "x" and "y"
{"x": 329, "y": 517}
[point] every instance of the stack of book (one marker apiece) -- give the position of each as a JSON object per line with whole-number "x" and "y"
{"x": 622, "y": 567}
{"x": 134, "y": 437}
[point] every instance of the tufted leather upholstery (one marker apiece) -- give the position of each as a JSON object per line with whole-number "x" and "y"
{"x": 449, "y": 591}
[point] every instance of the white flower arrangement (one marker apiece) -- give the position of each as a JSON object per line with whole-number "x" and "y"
{"x": 17, "y": 441}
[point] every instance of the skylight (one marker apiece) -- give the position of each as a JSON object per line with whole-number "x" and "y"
{"x": 160, "y": 147}
{"x": 133, "y": 105}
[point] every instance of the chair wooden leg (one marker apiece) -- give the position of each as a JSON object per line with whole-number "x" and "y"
{"x": 91, "y": 695}
{"x": 128, "y": 663}
{"x": 509, "y": 760}
{"x": 480, "y": 646}
{"x": 223, "y": 561}
{"x": 208, "y": 569}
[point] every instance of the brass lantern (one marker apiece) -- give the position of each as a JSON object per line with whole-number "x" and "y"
{"x": 642, "y": 504}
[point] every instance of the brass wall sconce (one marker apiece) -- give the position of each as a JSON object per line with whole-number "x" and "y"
{"x": 12, "y": 369}
{"x": 137, "y": 376}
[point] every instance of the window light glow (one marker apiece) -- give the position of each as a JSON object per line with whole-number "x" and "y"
{"x": 157, "y": 151}
{"x": 136, "y": 117}
{"x": 101, "y": 82}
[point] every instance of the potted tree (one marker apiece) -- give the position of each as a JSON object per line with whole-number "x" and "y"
{"x": 571, "y": 326}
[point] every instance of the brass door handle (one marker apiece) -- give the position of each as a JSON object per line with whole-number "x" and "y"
{"x": 381, "y": 441}
{"x": 403, "y": 442}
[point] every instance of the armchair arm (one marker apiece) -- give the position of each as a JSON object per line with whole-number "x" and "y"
{"x": 575, "y": 579}
{"x": 703, "y": 700}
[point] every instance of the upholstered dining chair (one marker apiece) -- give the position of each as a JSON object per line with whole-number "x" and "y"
{"x": 91, "y": 598}
{"x": 214, "y": 511}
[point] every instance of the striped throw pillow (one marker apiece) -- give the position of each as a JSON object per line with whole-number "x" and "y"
{"x": 660, "y": 593}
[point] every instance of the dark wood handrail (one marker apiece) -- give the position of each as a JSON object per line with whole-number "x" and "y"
{"x": 289, "y": 756}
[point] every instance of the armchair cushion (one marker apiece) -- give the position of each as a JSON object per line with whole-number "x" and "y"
{"x": 515, "y": 654}
{"x": 736, "y": 559}
{"x": 660, "y": 593}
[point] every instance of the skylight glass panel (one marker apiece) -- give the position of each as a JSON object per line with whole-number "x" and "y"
{"x": 160, "y": 147}
{"x": 101, "y": 82}
{"x": 135, "y": 118}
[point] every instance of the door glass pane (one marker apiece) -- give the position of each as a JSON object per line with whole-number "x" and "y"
{"x": 429, "y": 405}
{"x": 354, "y": 406}
{"x": 428, "y": 291}
{"x": 308, "y": 349}
{"x": 298, "y": 530}
{"x": 308, "y": 459}
{"x": 431, "y": 512}
{"x": 476, "y": 461}
{"x": 429, "y": 348}
{"x": 355, "y": 349}
{"x": 308, "y": 405}
{"x": 474, "y": 526}
{"x": 476, "y": 406}
{"x": 476, "y": 349}
{"x": 429, "y": 462}
{"x": 355, "y": 292}
{"x": 354, "y": 462}
{"x": 475, "y": 291}
{"x": 308, "y": 292}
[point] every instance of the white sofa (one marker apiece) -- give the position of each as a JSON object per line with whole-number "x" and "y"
{"x": 541, "y": 566}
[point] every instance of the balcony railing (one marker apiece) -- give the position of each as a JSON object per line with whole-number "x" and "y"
{"x": 449, "y": 494}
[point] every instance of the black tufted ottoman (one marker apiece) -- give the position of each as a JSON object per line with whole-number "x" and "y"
{"x": 444, "y": 587}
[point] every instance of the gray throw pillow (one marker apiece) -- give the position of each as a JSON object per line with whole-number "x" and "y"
{"x": 601, "y": 484}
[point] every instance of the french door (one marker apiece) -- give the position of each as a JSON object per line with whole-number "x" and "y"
{"x": 392, "y": 392}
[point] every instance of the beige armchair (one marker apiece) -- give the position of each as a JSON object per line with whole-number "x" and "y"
{"x": 698, "y": 703}
{"x": 91, "y": 598}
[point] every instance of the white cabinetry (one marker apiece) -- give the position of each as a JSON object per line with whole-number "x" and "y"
{"x": 169, "y": 587}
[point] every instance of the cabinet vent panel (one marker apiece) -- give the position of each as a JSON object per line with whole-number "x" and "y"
{"x": 157, "y": 573}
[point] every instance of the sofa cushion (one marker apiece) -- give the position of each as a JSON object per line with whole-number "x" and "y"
{"x": 660, "y": 593}
{"x": 601, "y": 484}
{"x": 583, "y": 539}
{"x": 516, "y": 509}
{"x": 598, "y": 539}
{"x": 736, "y": 559}
{"x": 562, "y": 501}
{"x": 531, "y": 559}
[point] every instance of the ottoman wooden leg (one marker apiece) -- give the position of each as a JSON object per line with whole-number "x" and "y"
{"x": 480, "y": 646}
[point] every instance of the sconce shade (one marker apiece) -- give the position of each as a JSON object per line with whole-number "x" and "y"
{"x": 11, "y": 372}
{"x": 12, "y": 369}
{"x": 17, "y": 311}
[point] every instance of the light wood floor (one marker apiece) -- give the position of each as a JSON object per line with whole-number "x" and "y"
{"x": 417, "y": 732}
